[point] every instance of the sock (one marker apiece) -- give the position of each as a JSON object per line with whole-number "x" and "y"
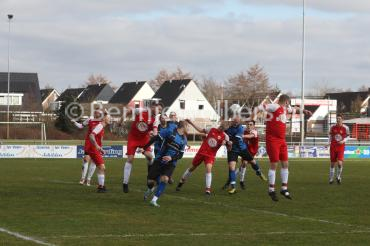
{"x": 331, "y": 173}
{"x": 160, "y": 190}
{"x": 92, "y": 168}
{"x": 150, "y": 185}
{"x": 154, "y": 199}
{"x": 272, "y": 175}
{"x": 339, "y": 171}
{"x": 185, "y": 176}
{"x": 101, "y": 178}
{"x": 208, "y": 180}
{"x": 232, "y": 177}
{"x": 85, "y": 166}
{"x": 237, "y": 170}
{"x": 149, "y": 164}
{"x": 284, "y": 178}
{"x": 127, "y": 172}
{"x": 256, "y": 168}
{"x": 242, "y": 173}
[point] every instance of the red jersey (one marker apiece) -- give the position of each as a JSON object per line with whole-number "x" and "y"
{"x": 98, "y": 131}
{"x": 252, "y": 142}
{"x": 143, "y": 124}
{"x": 212, "y": 142}
{"x": 337, "y": 134}
{"x": 276, "y": 120}
{"x": 91, "y": 123}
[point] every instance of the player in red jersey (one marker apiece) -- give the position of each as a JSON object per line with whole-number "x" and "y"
{"x": 143, "y": 125}
{"x": 95, "y": 150}
{"x": 338, "y": 135}
{"x": 214, "y": 139}
{"x": 276, "y": 146}
{"x": 251, "y": 139}
{"x": 87, "y": 170}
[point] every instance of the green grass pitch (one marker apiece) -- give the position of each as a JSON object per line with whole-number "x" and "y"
{"x": 41, "y": 199}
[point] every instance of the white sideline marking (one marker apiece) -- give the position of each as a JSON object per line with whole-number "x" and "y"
{"x": 272, "y": 213}
{"x": 20, "y": 236}
{"x": 150, "y": 235}
{"x": 364, "y": 228}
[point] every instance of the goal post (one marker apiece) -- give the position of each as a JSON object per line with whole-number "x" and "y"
{"x": 33, "y": 131}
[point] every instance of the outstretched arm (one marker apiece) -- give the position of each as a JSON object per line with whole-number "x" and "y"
{"x": 197, "y": 128}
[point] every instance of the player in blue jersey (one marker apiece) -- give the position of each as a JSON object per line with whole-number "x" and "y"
{"x": 172, "y": 122}
{"x": 239, "y": 148}
{"x": 172, "y": 150}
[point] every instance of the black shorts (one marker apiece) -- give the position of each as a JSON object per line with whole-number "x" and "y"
{"x": 233, "y": 156}
{"x": 158, "y": 169}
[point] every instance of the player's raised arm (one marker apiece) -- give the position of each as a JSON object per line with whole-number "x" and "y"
{"x": 81, "y": 125}
{"x": 197, "y": 128}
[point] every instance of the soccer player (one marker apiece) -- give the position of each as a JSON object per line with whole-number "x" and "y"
{"x": 143, "y": 125}
{"x": 251, "y": 139}
{"x": 338, "y": 135}
{"x": 165, "y": 162}
{"x": 91, "y": 122}
{"x": 95, "y": 150}
{"x": 215, "y": 138}
{"x": 163, "y": 126}
{"x": 239, "y": 148}
{"x": 276, "y": 146}
{"x": 173, "y": 121}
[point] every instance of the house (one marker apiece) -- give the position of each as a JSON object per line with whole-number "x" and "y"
{"x": 347, "y": 100}
{"x": 72, "y": 93}
{"x": 186, "y": 99}
{"x": 323, "y": 115}
{"x": 97, "y": 93}
{"x": 132, "y": 94}
{"x": 48, "y": 97}
{"x": 24, "y": 97}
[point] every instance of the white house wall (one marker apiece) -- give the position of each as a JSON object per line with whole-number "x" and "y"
{"x": 145, "y": 92}
{"x": 193, "y": 97}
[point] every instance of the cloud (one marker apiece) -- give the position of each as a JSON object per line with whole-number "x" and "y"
{"x": 345, "y": 6}
{"x": 64, "y": 51}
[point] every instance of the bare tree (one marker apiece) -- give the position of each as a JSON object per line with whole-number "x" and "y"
{"x": 211, "y": 89}
{"x": 320, "y": 89}
{"x": 363, "y": 88}
{"x": 48, "y": 86}
{"x": 97, "y": 79}
{"x": 356, "y": 105}
{"x": 164, "y": 75}
{"x": 249, "y": 86}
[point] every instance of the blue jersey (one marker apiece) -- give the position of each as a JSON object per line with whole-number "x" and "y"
{"x": 173, "y": 145}
{"x": 158, "y": 143}
{"x": 235, "y": 134}
{"x": 172, "y": 125}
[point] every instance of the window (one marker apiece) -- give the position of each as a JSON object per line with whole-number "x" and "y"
{"x": 182, "y": 104}
{"x": 201, "y": 107}
{"x": 14, "y": 99}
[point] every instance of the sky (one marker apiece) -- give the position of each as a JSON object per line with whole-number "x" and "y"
{"x": 65, "y": 41}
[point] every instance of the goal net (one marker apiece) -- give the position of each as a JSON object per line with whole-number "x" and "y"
{"x": 20, "y": 131}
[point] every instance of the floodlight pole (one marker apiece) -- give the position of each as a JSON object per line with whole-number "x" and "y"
{"x": 302, "y": 74}
{"x": 10, "y": 17}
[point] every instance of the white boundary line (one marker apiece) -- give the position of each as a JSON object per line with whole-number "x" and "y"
{"x": 151, "y": 235}
{"x": 363, "y": 228}
{"x": 272, "y": 213}
{"x": 23, "y": 237}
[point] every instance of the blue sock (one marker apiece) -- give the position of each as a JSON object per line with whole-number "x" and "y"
{"x": 158, "y": 180}
{"x": 256, "y": 167}
{"x": 160, "y": 189}
{"x": 232, "y": 177}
